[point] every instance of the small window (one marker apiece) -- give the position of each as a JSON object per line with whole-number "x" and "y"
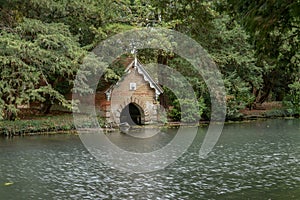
{"x": 132, "y": 86}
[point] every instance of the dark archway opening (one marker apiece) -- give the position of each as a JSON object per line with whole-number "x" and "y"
{"x": 132, "y": 114}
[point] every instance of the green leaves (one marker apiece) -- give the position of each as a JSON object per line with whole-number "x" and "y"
{"x": 185, "y": 110}
{"x": 274, "y": 29}
{"x": 35, "y": 59}
{"x": 18, "y": 76}
{"x": 292, "y": 100}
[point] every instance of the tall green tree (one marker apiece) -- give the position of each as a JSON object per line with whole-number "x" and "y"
{"x": 80, "y": 15}
{"x": 38, "y": 63}
{"x": 231, "y": 49}
{"x": 274, "y": 29}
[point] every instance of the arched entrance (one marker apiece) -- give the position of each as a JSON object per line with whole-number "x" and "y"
{"x": 132, "y": 114}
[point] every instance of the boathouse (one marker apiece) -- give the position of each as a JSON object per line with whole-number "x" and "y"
{"x": 133, "y": 99}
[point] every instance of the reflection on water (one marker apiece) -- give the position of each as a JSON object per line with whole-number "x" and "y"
{"x": 256, "y": 160}
{"x": 142, "y": 140}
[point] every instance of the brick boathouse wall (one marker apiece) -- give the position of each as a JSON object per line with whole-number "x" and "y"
{"x": 143, "y": 97}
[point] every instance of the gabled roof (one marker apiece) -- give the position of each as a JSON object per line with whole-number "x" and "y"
{"x": 142, "y": 71}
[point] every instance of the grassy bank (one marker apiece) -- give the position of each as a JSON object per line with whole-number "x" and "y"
{"x": 37, "y": 124}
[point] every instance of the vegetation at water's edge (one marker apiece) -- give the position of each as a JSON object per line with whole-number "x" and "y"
{"x": 65, "y": 123}
{"x": 37, "y": 125}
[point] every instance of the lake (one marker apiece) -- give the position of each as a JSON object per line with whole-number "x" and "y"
{"x": 251, "y": 160}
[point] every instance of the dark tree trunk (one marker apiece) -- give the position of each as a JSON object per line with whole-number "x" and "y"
{"x": 46, "y": 106}
{"x": 268, "y": 86}
{"x": 265, "y": 95}
{"x": 10, "y": 116}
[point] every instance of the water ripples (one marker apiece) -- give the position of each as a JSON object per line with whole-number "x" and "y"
{"x": 253, "y": 165}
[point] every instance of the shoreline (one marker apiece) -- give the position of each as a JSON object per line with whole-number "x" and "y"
{"x": 63, "y": 124}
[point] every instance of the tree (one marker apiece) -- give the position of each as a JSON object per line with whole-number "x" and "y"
{"x": 231, "y": 49}
{"x": 38, "y": 63}
{"x": 80, "y": 15}
{"x": 274, "y": 30}
{"x": 18, "y": 77}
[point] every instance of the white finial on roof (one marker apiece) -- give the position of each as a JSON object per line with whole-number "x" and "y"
{"x": 135, "y": 60}
{"x": 134, "y": 52}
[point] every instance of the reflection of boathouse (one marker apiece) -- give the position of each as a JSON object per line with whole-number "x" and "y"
{"x": 133, "y": 99}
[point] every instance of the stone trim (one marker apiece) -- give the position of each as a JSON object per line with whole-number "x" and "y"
{"x": 138, "y": 102}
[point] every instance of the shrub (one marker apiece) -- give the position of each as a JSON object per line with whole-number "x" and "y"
{"x": 192, "y": 110}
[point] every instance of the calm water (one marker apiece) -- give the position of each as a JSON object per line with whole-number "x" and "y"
{"x": 255, "y": 160}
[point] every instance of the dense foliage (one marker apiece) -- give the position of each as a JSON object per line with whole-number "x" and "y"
{"x": 254, "y": 43}
{"x": 274, "y": 29}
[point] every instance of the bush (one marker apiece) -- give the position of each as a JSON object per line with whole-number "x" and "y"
{"x": 292, "y": 100}
{"x": 192, "y": 110}
{"x": 279, "y": 113}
